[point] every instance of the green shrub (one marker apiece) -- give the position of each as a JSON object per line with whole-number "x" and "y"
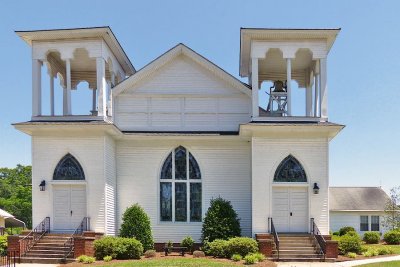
{"x": 242, "y": 246}
{"x": 136, "y": 223}
{"x": 236, "y": 257}
{"x": 220, "y": 222}
{"x": 198, "y": 254}
{"x": 188, "y": 242}
{"x": 371, "y": 237}
{"x": 392, "y": 237}
{"x": 107, "y": 258}
{"x": 3, "y": 245}
{"x": 259, "y": 256}
{"x": 150, "y": 253}
{"x": 118, "y": 248}
{"x": 346, "y": 229}
{"x": 85, "y": 259}
{"x": 250, "y": 259}
{"x": 351, "y": 255}
{"x": 370, "y": 253}
{"x": 336, "y": 233}
{"x": 217, "y": 248}
{"x": 349, "y": 243}
{"x": 384, "y": 251}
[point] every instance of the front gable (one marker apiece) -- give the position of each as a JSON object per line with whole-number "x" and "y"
{"x": 181, "y": 91}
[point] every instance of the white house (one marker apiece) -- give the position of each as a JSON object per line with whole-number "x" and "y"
{"x": 181, "y": 131}
{"x": 362, "y": 208}
{"x": 9, "y": 220}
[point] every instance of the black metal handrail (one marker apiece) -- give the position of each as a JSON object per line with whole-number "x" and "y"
{"x": 83, "y": 226}
{"x": 316, "y": 233}
{"x": 26, "y": 243}
{"x": 274, "y": 233}
{"x": 10, "y": 259}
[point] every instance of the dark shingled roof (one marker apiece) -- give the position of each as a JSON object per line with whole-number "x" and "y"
{"x": 357, "y": 198}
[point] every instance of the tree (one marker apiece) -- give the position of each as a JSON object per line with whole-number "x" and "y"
{"x": 16, "y": 192}
{"x": 136, "y": 223}
{"x": 391, "y": 219}
{"x": 221, "y": 221}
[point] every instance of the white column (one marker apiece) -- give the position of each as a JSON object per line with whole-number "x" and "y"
{"x": 51, "y": 93}
{"x": 324, "y": 89}
{"x": 309, "y": 100}
{"x": 316, "y": 95}
{"x": 101, "y": 86}
{"x": 67, "y": 89}
{"x": 289, "y": 85}
{"x": 254, "y": 87}
{"x": 36, "y": 87}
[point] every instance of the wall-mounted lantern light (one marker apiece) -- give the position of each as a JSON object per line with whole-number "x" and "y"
{"x": 316, "y": 189}
{"x": 42, "y": 185}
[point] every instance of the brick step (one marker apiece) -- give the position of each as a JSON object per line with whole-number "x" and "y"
{"x": 50, "y": 244}
{"x": 315, "y": 259}
{"x": 54, "y": 238}
{"x": 44, "y": 255}
{"x": 49, "y": 250}
{"x": 287, "y": 251}
{"x": 45, "y": 260}
{"x": 281, "y": 245}
{"x": 46, "y": 248}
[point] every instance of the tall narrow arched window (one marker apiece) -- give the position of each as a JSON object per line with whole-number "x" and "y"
{"x": 180, "y": 188}
{"x": 68, "y": 168}
{"x": 290, "y": 170}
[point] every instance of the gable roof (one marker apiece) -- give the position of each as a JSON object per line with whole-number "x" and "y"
{"x": 5, "y": 214}
{"x": 357, "y": 199}
{"x": 171, "y": 54}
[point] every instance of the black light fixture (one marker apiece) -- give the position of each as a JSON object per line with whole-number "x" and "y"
{"x": 316, "y": 189}
{"x": 42, "y": 185}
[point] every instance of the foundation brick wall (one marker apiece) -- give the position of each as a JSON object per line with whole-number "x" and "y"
{"x": 13, "y": 243}
{"x": 84, "y": 245}
{"x": 332, "y": 249}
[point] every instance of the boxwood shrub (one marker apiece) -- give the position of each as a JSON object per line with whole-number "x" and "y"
{"x": 346, "y": 229}
{"x": 371, "y": 237}
{"x": 217, "y": 248}
{"x": 392, "y": 237}
{"x": 242, "y": 246}
{"x": 349, "y": 243}
{"x": 118, "y": 248}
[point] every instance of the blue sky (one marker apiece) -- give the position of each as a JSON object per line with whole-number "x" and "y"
{"x": 363, "y": 65}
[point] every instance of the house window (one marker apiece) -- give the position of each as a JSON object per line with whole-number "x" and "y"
{"x": 68, "y": 168}
{"x": 180, "y": 188}
{"x": 374, "y": 223}
{"x": 290, "y": 170}
{"x": 364, "y": 223}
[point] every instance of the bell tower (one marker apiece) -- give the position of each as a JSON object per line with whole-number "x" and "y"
{"x": 282, "y": 56}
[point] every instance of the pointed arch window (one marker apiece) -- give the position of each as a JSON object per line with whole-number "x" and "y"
{"x": 180, "y": 188}
{"x": 290, "y": 170}
{"x": 68, "y": 168}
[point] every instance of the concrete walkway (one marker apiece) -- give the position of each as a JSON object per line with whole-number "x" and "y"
{"x": 337, "y": 264}
{"x": 36, "y": 265}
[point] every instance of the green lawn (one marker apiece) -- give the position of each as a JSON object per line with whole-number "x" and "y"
{"x": 189, "y": 262}
{"x": 382, "y": 264}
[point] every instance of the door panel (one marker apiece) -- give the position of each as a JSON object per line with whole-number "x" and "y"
{"x": 281, "y": 209}
{"x": 78, "y": 205}
{"x": 299, "y": 209}
{"x": 61, "y": 207}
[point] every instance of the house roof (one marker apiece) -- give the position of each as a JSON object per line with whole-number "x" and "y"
{"x": 171, "y": 54}
{"x": 103, "y": 32}
{"x": 357, "y": 199}
{"x": 5, "y": 214}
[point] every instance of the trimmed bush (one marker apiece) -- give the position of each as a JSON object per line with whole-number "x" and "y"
{"x": 217, "y": 248}
{"x": 3, "y": 245}
{"x": 150, "y": 253}
{"x": 118, "y": 248}
{"x": 136, "y": 223}
{"x": 385, "y": 251}
{"x": 345, "y": 230}
{"x": 392, "y": 237}
{"x": 236, "y": 257}
{"x": 198, "y": 254}
{"x": 259, "y": 256}
{"x": 371, "y": 237}
{"x": 370, "y": 253}
{"x": 351, "y": 255}
{"x": 250, "y": 259}
{"x": 349, "y": 243}
{"x": 336, "y": 233}
{"x": 85, "y": 259}
{"x": 188, "y": 242}
{"x": 220, "y": 222}
{"x": 107, "y": 258}
{"x": 242, "y": 246}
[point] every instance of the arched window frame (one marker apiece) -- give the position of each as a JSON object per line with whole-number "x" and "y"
{"x": 282, "y": 164}
{"x": 77, "y": 165}
{"x": 188, "y": 182}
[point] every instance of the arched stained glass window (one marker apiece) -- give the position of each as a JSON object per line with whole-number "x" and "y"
{"x": 180, "y": 188}
{"x": 68, "y": 168}
{"x": 290, "y": 170}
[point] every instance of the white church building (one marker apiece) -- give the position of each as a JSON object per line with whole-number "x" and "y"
{"x": 179, "y": 132}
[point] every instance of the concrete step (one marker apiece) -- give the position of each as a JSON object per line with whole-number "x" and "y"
{"x": 282, "y": 245}
{"x": 45, "y": 260}
{"x": 44, "y": 255}
{"x": 50, "y": 244}
{"x": 288, "y": 252}
{"x": 316, "y": 259}
{"x": 46, "y": 248}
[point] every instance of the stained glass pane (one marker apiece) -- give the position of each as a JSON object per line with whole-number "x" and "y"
{"x": 68, "y": 169}
{"x": 180, "y": 163}
{"x": 180, "y": 202}
{"x": 166, "y": 201}
{"x": 166, "y": 171}
{"x": 194, "y": 170}
{"x": 290, "y": 170}
{"x": 195, "y": 202}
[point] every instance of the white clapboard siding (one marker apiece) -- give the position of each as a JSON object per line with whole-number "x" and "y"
{"x": 110, "y": 185}
{"x": 47, "y": 152}
{"x": 182, "y": 96}
{"x": 225, "y": 169}
{"x": 339, "y": 219}
{"x": 266, "y": 156}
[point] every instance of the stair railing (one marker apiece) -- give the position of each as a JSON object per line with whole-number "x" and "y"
{"x": 26, "y": 243}
{"x": 82, "y": 227}
{"x": 316, "y": 233}
{"x": 274, "y": 233}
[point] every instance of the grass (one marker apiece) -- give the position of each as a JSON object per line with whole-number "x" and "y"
{"x": 396, "y": 248}
{"x": 189, "y": 262}
{"x": 382, "y": 264}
